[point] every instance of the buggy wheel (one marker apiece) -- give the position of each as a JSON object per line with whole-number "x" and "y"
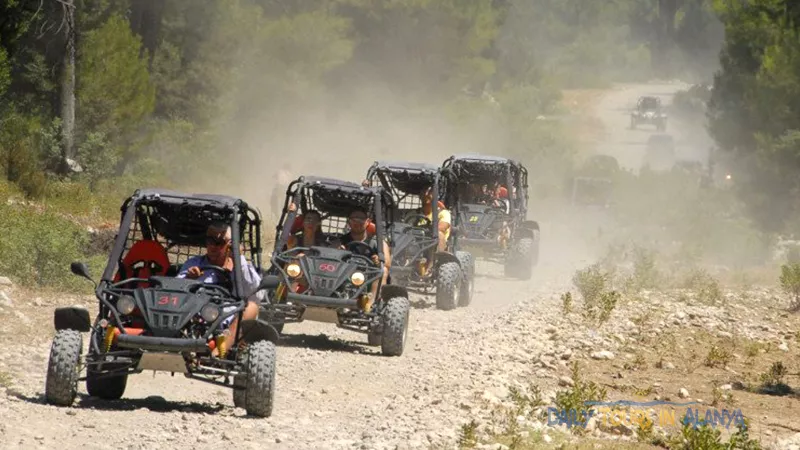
{"x": 374, "y": 339}
{"x": 467, "y": 277}
{"x": 260, "y": 378}
{"x": 61, "y": 385}
{"x": 265, "y": 316}
{"x": 448, "y": 285}
{"x": 395, "y": 326}
{"x": 240, "y": 381}
{"x": 519, "y": 263}
{"x": 107, "y": 388}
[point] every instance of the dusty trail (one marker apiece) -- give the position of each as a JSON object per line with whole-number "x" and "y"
{"x": 332, "y": 390}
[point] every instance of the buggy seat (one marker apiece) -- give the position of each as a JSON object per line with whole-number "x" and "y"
{"x": 144, "y": 259}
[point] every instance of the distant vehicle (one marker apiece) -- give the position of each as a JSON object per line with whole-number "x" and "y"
{"x": 649, "y": 111}
{"x": 660, "y": 153}
{"x": 593, "y": 183}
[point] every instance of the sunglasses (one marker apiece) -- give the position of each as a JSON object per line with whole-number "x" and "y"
{"x": 216, "y": 241}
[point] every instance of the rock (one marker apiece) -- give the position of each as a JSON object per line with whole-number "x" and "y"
{"x": 683, "y": 393}
{"x": 726, "y": 387}
{"x": 565, "y": 381}
{"x": 5, "y": 281}
{"x": 668, "y": 365}
{"x": 5, "y": 300}
{"x": 603, "y": 354}
{"x": 783, "y": 347}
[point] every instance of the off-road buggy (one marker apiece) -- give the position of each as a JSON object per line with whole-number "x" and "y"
{"x": 593, "y": 183}
{"x": 650, "y": 112}
{"x": 488, "y": 196}
{"x": 325, "y": 283}
{"x": 414, "y": 239}
{"x": 150, "y": 320}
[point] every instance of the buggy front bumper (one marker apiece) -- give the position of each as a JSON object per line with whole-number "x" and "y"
{"x": 322, "y": 302}
{"x": 161, "y": 344}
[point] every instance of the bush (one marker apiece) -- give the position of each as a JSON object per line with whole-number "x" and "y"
{"x": 38, "y": 247}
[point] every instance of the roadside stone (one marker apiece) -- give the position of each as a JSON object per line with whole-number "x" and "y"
{"x": 5, "y": 281}
{"x": 683, "y": 393}
{"x": 602, "y": 355}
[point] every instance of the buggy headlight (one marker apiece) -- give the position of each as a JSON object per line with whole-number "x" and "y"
{"x": 125, "y": 304}
{"x": 357, "y": 278}
{"x": 293, "y": 270}
{"x": 209, "y": 313}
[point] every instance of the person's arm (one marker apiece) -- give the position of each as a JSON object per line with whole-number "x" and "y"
{"x": 191, "y": 262}
{"x": 251, "y": 281}
{"x": 387, "y": 254}
{"x": 444, "y": 220}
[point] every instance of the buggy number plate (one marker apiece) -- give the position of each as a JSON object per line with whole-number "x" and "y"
{"x": 473, "y": 219}
{"x": 326, "y": 267}
{"x": 167, "y": 300}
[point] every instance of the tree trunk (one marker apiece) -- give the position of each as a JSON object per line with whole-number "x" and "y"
{"x": 667, "y": 9}
{"x": 68, "y": 89}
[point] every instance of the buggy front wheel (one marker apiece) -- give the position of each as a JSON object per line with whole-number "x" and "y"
{"x": 467, "y": 277}
{"x": 260, "y": 378}
{"x": 448, "y": 285}
{"x": 519, "y": 264}
{"x": 395, "y": 326}
{"x": 61, "y": 386}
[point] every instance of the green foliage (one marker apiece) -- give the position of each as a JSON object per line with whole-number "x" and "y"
{"x": 753, "y": 111}
{"x": 38, "y": 248}
{"x": 790, "y": 282}
{"x": 581, "y": 391}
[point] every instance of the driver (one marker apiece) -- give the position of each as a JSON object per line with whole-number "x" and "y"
{"x": 357, "y": 220}
{"x": 218, "y": 253}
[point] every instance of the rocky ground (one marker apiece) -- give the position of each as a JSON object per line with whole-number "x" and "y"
{"x": 484, "y": 363}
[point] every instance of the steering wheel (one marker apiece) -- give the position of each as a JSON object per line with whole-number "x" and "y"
{"x": 225, "y": 273}
{"x": 361, "y": 249}
{"x": 414, "y": 220}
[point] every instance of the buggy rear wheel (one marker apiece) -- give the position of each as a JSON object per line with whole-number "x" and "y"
{"x": 240, "y": 381}
{"x": 61, "y": 385}
{"x": 260, "y": 378}
{"x": 467, "y": 277}
{"x": 448, "y": 285}
{"x": 107, "y": 388}
{"x": 395, "y": 326}
{"x": 374, "y": 339}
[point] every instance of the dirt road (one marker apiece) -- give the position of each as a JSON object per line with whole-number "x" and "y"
{"x": 628, "y": 145}
{"x": 332, "y": 391}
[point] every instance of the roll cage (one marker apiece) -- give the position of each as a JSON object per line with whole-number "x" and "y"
{"x": 648, "y": 103}
{"x": 405, "y": 182}
{"x": 461, "y": 171}
{"x": 334, "y": 199}
{"x": 178, "y": 223}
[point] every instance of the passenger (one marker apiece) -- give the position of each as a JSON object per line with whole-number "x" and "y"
{"x": 218, "y": 253}
{"x": 357, "y": 220}
{"x": 311, "y": 234}
{"x": 443, "y": 216}
{"x": 444, "y": 225}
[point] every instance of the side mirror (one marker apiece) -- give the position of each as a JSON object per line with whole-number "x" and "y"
{"x": 81, "y": 269}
